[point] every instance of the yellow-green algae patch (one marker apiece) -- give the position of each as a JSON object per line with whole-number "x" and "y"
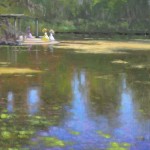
{"x": 4, "y": 116}
{"x": 103, "y": 77}
{"x": 119, "y": 62}
{"x": 143, "y": 82}
{"x": 6, "y": 134}
{"x": 140, "y": 66}
{"x": 118, "y": 146}
{"x": 102, "y": 46}
{"x": 107, "y": 136}
{"x": 75, "y": 133}
{"x": 11, "y": 70}
{"x": 4, "y": 63}
{"x": 53, "y": 142}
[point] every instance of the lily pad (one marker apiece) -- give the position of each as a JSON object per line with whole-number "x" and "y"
{"x": 53, "y": 142}
{"x": 74, "y": 132}
{"x": 6, "y": 134}
{"x": 119, "y": 62}
{"x": 10, "y": 70}
{"x": 107, "y": 136}
{"x": 118, "y": 146}
{"x": 4, "y": 116}
{"x": 126, "y": 144}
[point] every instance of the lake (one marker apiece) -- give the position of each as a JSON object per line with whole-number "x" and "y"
{"x": 78, "y": 101}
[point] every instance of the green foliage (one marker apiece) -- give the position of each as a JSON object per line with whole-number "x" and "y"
{"x": 64, "y": 15}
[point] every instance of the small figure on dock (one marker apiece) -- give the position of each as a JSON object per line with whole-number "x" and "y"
{"x": 45, "y": 37}
{"x": 51, "y": 32}
{"x": 29, "y": 35}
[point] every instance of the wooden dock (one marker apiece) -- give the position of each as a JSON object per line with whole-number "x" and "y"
{"x": 37, "y": 41}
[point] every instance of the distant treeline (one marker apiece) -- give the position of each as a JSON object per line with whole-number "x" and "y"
{"x": 85, "y": 15}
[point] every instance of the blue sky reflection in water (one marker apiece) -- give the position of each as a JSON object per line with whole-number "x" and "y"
{"x": 10, "y": 99}
{"x": 81, "y": 128}
{"x": 86, "y": 108}
{"x": 33, "y": 100}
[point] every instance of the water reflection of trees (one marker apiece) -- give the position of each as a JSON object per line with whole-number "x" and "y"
{"x": 104, "y": 81}
{"x": 105, "y": 93}
{"x": 105, "y": 78}
{"x": 140, "y": 84}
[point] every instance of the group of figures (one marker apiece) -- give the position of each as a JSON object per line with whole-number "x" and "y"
{"x": 45, "y": 37}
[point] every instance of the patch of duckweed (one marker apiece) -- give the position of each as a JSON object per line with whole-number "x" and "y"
{"x": 3, "y": 128}
{"x": 74, "y": 132}
{"x": 56, "y": 107}
{"x": 12, "y": 133}
{"x": 142, "y": 82}
{"x": 118, "y": 146}
{"x": 98, "y": 46}
{"x": 140, "y": 66}
{"x": 29, "y": 75}
{"x": 107, "y": 136}
{"x": 13, "y": 149}
{"x": 4, "y": 63}
{"x": 9, "y": 70}
{"x": 53, "y": 142}
{"x": 119, "y": 62}
{"x": 4, "y": 111}
{"x": 126, "y": 144}
{"x": 39, "y": 121}
{"x": 69, "y": 143}
{"x": 6, "y": 134}
{"x": 25, "y": 133}
{"x": 4, "y": 116}
{"x": 103, "y": 77}
{"x": 38, "y": 117}
{"x": 18, "y": 149}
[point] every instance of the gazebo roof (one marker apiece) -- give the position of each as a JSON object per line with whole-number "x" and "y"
{"x": 17, "y": 16}
{"x": 12, "y": 15}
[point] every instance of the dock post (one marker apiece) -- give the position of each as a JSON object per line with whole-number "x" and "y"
{"x": 36, "y": 28}
{"x": 19, "y": 25}
{"x": 15, "y": 26}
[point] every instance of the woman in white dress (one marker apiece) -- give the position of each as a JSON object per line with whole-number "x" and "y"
{"x": 51, "y": 32}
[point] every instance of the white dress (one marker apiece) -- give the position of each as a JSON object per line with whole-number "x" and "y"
{"x": 51, "y": 38}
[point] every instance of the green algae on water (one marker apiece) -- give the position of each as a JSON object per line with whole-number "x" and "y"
{"x": 53, "y": 142}
{"x": 118, "y": 146}
{"x": 107, "y": 136}
{"x": 74, "y": 132}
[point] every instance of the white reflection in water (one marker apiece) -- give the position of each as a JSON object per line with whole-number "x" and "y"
{"x": 10, "y": 101}
{"x": 33, "y": 100}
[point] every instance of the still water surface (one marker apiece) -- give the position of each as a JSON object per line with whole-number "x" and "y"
{"x": 79, "y": 102}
